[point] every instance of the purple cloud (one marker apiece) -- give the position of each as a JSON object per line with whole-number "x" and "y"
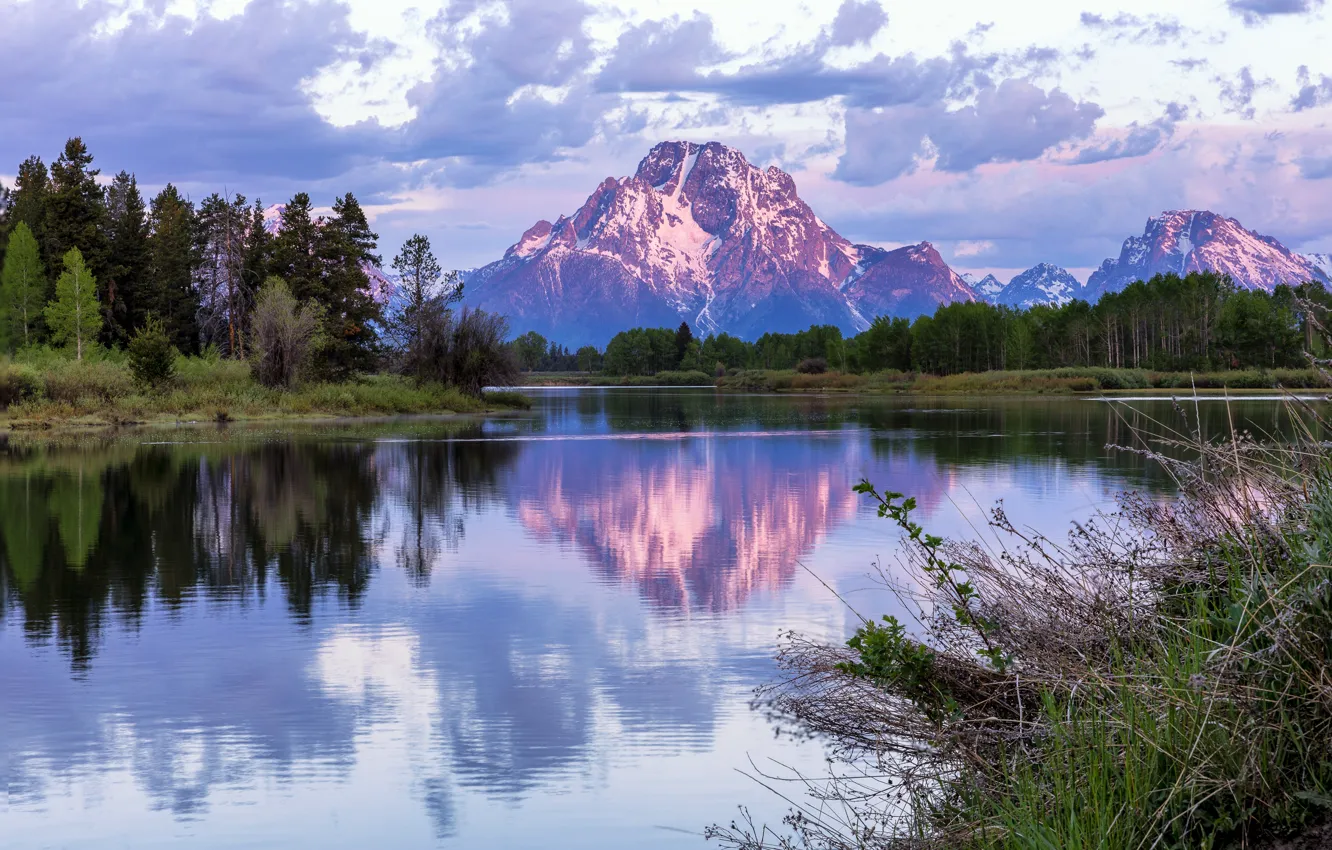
{"x": 857, "y": 22}
{"x": 1011, "y": 122}
{"x": 1311, "y": 94}
{"x": 1141, "y": 140}
{"x": 1237, "y": 95}
{"x": 1152, "y": 29}
{"x": 1256, "y": 11}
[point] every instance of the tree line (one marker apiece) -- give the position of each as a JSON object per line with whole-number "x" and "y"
{"x": 1200, "y": 321}
{"x": 83, "y": 264}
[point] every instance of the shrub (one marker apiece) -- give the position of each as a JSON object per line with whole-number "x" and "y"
{"x": 72, "y": 381}
{"x": 478, "y": 356}
{"x": 812, "y": 366}
{"x": 508, "y": 398}
{"x": 152, "y": 356}
{"x": 17, "y": 383}
{"x": 284, "y": 331}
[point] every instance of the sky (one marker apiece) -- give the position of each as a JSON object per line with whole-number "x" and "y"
{"x": 1006, "y": 134}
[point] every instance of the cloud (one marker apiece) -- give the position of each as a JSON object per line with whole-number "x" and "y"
{"x": 1237, "y": 95}
{"x": 169, "y": 96}
{"x": 1311, "y": 94}
{"x": 662, "y": 55}
{"x": 1141, "y": 139}
{"x": 857, "y": 22}
{"x": 1315, "y": 167}
{"x": 1011, "y": 122}
{"x": 1152, "y": 29}
{"x": 1256, "y": 11}
{"x": 514, "y": 90}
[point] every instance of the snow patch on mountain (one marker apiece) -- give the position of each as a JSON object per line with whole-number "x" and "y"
{"x": 1184, "y": 241}
{"x": 987, "y": 288}
{"x": 1043, "y": 283}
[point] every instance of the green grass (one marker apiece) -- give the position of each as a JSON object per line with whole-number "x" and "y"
{"x": 44, "y": 389}
{"x": 1066, "y": 381}
{"x": 1162, "y": 679}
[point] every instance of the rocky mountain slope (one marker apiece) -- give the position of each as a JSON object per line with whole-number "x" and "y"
{"x": 1041, "y": 284}
{"x": 986, "y": 288}
{"x": 1183, "y": 241}
{"x": 701, "y": 235}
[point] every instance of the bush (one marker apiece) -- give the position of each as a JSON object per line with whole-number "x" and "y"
{"x": 17, "y": 383}
{"x": 74, "y": 382}
{"x": 477, "y": 355}
{"x": 812, "y": 366}
{"x": 284, "y": 331}
{"x": 152, "y": 356}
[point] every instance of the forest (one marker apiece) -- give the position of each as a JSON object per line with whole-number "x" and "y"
{"x": 92, "y": 273}
{"x": 1200, "y": 321}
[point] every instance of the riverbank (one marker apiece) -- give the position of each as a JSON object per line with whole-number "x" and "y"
{"x": 1045, "y": 381}
{"x": 597, "y": 379}
{"x": 61, "y": 394}
{"x": 1157, "y": 679}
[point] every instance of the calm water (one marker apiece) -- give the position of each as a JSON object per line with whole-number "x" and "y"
{"x": 534, "y": 632}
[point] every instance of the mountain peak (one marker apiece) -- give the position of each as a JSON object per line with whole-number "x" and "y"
{"x": 1183, "y": 241}
{"x": 1043, "y": 283}
{"x": 700, "y": 234}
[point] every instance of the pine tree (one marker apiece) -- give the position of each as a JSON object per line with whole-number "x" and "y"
{"x": 76, "y": 208}
{"x": 28, "y": 198}
{"x": 258, "y": 258}
{"x": 75, "y": 317}
{"x": 6, "y": 207}
{"x": 22, "y": 288}
{"x": 172, "y": 252}
{"x": 127, "y": 258}
{"x": 294, "y": 251}
{"x": 683, "y": 336}
{"x": 345, "y": 246}
{"x": 223, "y": 225}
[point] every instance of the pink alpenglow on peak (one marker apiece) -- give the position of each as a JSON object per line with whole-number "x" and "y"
{"x": 1183, "y": 241}
{"x": 701, "y": 235}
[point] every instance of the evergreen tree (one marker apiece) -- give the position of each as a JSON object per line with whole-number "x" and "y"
{"x": 425, "y": 293}
{"x": 346, "y": 246}
{"x": 683, "y": 336}
{"x": 294, "y": 250}
{"x": 76, "y": 208}
{"x": 75, "y": 317}
{"x": 127, "y": 257}
{"x": 224, "y": 302}
{"x": 22, "y": 288}
{"x": 6, "y": 206}
{"x": 27, "y": 200}
{"x": 168, "y": 291}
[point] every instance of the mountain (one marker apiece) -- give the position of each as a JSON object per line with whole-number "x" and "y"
{"x": 701, "y": 235}
{"x": 1041, "y": 284}
{"x": 1183, "y": 241}
{"x": 986, "y": 288}
{"x": 1323, "y": 262}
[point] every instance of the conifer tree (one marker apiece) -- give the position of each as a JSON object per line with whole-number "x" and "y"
{"x": 294, "y": 250}
{"x": 223, "y": 225}
{"x": 75, "y": 317}
{"x": 172, "y": 251}
{"x": 127, "y": 258}
{"x": 76, "y": 208}
{"x": 6, "y": 204}
{"x": 27, "y": 201}
{"x": 22, "y": 288}
{"x": 345, "y": 246}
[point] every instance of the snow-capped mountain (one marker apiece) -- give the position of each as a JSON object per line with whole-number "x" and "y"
{"x": 1323, "y": 262}
{"x": 701, "y": 235}
{"x": 1041, "y": 284}
{"x": 986, "y": 288}
{"x": 1183, "y": 241}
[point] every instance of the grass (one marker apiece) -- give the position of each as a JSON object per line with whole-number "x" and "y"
{"x": 1163, "y": 679}
{"x": 1054, "y": 381}
{"x": 595, "y": 379}
{"x": 45, "y": 389}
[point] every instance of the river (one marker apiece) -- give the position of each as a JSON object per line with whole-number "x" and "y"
{"x": 533, "y": 631}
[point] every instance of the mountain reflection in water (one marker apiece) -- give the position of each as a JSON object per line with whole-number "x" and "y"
{"x": 336, "y": 634}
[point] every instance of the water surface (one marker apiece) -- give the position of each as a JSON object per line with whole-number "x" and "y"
{"x": 537, "y": 631}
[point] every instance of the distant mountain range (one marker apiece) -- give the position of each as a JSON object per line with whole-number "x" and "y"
{"x": 699, "y": 234}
